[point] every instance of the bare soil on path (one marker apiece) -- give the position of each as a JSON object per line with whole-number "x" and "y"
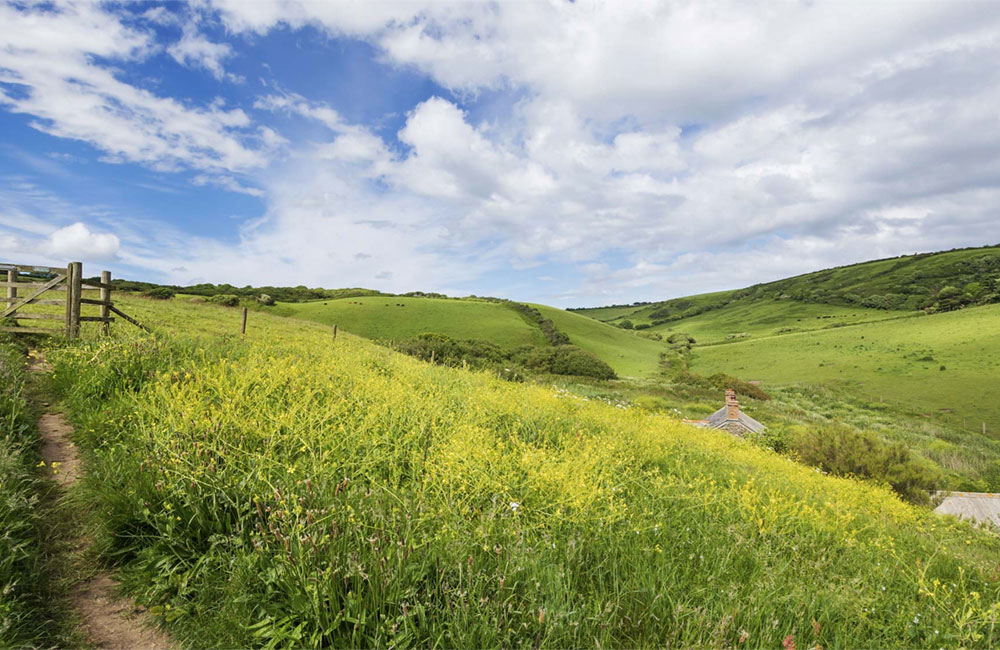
{"x": 106, "y": 620}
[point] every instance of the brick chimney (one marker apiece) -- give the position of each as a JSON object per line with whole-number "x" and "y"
{"x": 732, "y": 405}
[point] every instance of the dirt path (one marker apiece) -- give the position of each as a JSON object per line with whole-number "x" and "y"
{"x": 106, "y": 621}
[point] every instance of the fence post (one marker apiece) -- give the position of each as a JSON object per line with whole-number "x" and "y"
{"x": 105, "y": 299}
{"x": 243, "y": 327}
{"x": 77, "y": 294}
{"x": 335, "y": 332}
{"x": 11, "y": 291}
{"x": 69, "y": 300}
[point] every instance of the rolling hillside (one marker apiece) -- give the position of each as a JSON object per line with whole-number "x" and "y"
{"x": 903, "y": 283}
{"x": 396, "y": 318}
{"x": 629, "y": 354}
{"x": 943, "y": 365}
{"x": 768, "y": 317}
{"x": 284, "y": 490}
{"x": 382, "y": 318}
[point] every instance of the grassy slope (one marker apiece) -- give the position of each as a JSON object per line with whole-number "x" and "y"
{"x": 606, "y": 314}
{"x": 896, "y": 360}
{"x": 916, "y": 276}
{"x": 381, "y": 318}
{"x": 631, "y": 529}
{"x": 769, "y": 318}
{"x": 630, "y": 355}
{"x": 887, "y": 276}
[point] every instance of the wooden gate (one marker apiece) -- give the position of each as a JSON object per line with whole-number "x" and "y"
{"x": 26, "y": 285}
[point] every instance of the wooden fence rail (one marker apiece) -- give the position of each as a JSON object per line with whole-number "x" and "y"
{"x": 27, "y": 291}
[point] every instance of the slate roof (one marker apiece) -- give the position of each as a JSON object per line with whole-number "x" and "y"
{"x": 719, "y": 419}
{"x": 978, "y": 506}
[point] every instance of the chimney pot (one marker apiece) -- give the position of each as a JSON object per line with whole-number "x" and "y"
{"x": 732, "y": 405}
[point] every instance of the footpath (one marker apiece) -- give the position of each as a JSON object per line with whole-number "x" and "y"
{"x": 105, "y": 620}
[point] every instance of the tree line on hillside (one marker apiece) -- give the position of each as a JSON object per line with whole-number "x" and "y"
{"x": 932, "y": 282}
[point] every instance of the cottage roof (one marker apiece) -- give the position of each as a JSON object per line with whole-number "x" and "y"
{"x": 719, "y": 419}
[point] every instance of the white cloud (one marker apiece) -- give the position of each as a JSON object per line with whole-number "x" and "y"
{"x": 195, "y": 50}
{"x": 655, "y": 147}
{"x": 78, "y": 242}
{"x": 48, "y": 64}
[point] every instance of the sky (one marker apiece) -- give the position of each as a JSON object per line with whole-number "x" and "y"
{"x": 569, "y": 153}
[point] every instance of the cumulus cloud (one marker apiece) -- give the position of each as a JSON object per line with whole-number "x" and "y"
{"x": 194, "y": 49}
{"x": 78, "y": 242}
{"x": 49, "y": 69}
{"x": 651, "y": 149}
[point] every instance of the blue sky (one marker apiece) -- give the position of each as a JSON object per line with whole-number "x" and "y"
{"x": 567, "y": 153}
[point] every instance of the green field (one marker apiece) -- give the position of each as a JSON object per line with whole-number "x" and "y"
{"x": 942, "y": 366}
{"x": 381, "y": 318}
{"x": 628, "y": 353}
{"x": 770, "y": 318}
{"x": 284, "y": 490}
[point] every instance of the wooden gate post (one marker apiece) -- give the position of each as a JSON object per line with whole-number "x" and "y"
{"x": 11, "y": 291}
{"x": 105, "y": 302}
{"x": 77, "y": 294}
{"x": 69, "y": 300}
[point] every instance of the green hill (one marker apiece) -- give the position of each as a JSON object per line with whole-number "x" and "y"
{"x": 943, "y": 365}
{"x": 284, "y": 490}
{"x": 382, "y": 318}
{"x": 906, "y": 283}
{"x": 396, "y": 318}
{"x": 769, "y": 317}
{"x": 628, "y": 353}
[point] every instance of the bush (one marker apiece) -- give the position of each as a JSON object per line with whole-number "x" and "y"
{"x": 224, "y": 299}
{"x": 451, "y": 352}
{"x": 480, "y": 355}
{"x": 265, "y": 300}
{"x": 626, "y": 325}
{"x": 680, "y": 338}
{"x": 563, "y": 360}
{"x": 723, "y": 381}
{"x": 160, "y": 293}
{"x": 844, "y": 451}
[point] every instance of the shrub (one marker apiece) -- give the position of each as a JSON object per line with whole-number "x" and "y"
{"x": 452, "y": 352}
{"x": 845, "y": 451}
{"x": 160, "y": 293}
{"x": 266, "y": 300}
{"x": 680, "y": 338}
{"x": 626, "y": 325}
{"x": 563, "y": 360}
{"x": 723, "y": 381}
{"x": 478, "y": 354}
{"x": 225, "y": 299}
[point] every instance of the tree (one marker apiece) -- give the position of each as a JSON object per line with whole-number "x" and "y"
{"x": 950, "y": 298}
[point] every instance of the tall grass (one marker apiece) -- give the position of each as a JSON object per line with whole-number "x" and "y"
{"x": 23, "y": 617}
{"x": 299, "y": 492}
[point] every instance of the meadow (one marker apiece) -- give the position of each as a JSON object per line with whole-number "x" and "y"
{"x": 287, "y": 489}
{"x": 396, "y": 318}
{"x": 941, "y": 367}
